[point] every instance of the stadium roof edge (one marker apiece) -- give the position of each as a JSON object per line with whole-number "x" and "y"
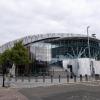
{"x": 32, "y": 38}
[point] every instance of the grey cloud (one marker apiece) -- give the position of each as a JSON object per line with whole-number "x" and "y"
{"x": 19, "y": 18}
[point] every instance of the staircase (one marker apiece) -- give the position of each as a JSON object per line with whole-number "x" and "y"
{"x": 56, "y": 71}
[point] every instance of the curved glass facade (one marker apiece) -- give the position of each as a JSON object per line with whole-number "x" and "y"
{"x": 75, "y": 48}
{"x": 52, "y": 50}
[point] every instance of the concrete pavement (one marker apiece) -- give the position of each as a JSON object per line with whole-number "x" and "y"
{"x": 55, "y": 92}
{"x": 63, "y": 92}
{"x": 11, "y": 94}
{"x": 51, "y": 91}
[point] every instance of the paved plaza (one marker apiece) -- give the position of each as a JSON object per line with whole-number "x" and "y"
{"x": 11, "y": 94}
{"x": 36, "y": 89}
{"x": 55, "y": 92}
{"x": 63, "y": 92}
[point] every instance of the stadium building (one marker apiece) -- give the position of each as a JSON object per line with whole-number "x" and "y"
{"x": 72, "y": 53}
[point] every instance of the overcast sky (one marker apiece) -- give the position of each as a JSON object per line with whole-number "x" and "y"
{"x": 19, "y": 18}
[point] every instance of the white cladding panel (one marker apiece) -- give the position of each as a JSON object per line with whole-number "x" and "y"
{"x": 72, "y": 62}
{"x": 80, "y": 66}
{"x": 97, "y": 67}
{"x": 84, "y": 66}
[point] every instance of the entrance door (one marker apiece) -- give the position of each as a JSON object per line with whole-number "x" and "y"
{"x": 71, "y": 70}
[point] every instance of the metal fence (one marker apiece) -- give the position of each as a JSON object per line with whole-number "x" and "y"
{"x": 44, "y": 80}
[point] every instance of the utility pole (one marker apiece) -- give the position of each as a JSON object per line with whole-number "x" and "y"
{"x": 88, "y": 41}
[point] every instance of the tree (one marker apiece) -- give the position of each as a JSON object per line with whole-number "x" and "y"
{"x": 20, "y": 57}
{"x": 6, "y": 55}
{"x": 0, "y": 64}
{"x": 5, "y": 63}
{"x": 0, "y": 58}
{"x": 19, "y": 54}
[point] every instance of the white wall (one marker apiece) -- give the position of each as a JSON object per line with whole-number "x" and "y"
{"x": 97, "y": 67}
{"x": 72, "y": 62}
{"x": 84, "y": 66}
{"x": 81, "y": 66}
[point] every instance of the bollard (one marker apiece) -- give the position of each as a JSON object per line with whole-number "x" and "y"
{"x": 16, "y": 74}
{"x": 29, "y": 78}
{"x": 51, "y": 78}
{"x": 99, "y": 76}
{"x": 74, "y": 78}
{"x": 43, "y": 78}
{"x": 8, "y": 80}
{"x": 71, "y": 76}
{"x": 59, "y": 78}
{"x": 22, "y": 77}
{"x": 68, "y": 78}
{"x": 36, "y": 78}
{"x": 86, "y": 77}
{"x": 80, "y": 78}
{"x": 96, "y": 76}
{"x": 16, "y": 78}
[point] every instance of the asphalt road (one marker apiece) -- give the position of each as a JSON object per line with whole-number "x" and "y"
{"x": 63, "y": 92}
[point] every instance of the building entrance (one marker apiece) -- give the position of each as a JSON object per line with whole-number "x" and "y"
{"x": 71, "y": 70}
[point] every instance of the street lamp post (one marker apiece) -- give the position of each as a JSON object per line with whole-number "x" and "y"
{"x": 88, "y": 40}
{"x": 7, "y": 65}
{"x": 4, "y": 70}
{"x": 91, "y": 67}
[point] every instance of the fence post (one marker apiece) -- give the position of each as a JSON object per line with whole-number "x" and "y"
{"x": 68, "y": 78}
{"x": 80, "y": 78}
{"x": 74, "y": 78}
{"x": 51, "y": 78}
{"x": 43, "y": 78}
{"x": 59, "y": 78}
{"x": 86, "y": 77}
